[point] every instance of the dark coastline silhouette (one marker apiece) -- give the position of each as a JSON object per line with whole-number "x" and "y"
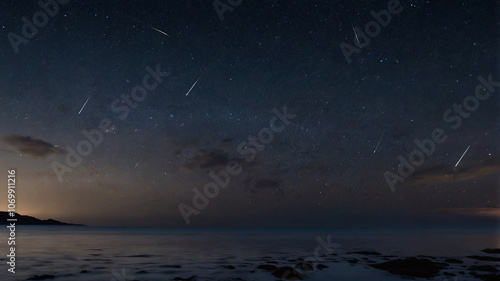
{"x": 28, "y": 220}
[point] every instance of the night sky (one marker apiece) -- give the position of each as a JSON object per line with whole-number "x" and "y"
{"x": 174, "y": 93}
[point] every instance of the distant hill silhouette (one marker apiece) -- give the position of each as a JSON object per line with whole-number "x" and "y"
{"x": 27, "y": 220}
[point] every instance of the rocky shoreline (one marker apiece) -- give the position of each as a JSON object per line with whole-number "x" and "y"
{"x": 484, "y": 265}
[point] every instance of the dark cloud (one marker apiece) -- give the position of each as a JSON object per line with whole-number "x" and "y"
{"x": 265, "y": 184}
{"x": 207, "y": 159}
{"x": 30, "y": 146}
{"x": 443, "y": 174}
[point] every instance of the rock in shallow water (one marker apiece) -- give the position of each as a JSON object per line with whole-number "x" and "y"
{"x": 228, "y": 266}
{"x": 321, "y": 266}
{"x": 452, "y": 260}
{"x": 305, "y": 266}
{"x": 414, "y": 267}
{"x": 491, "y": 251}
{"x": 488, "y": 277}
{"x": 483, "y": 258}
{"x": 268, "y": 267}
{"x": 289, "y": 273}
{"x": 42, "y": 277}
{"x": 486, "y": 268}
{"x": 185, "y": 279}
{"x": 366, "y": 253}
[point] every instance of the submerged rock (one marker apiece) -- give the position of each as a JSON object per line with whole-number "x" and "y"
{"x": 366, "y": 253}
{"x": 486, "y": 268}
{"x": 453, "y": 261}
{"x": 484, "y": 258}
{"x": 268, "y": 267}
{"x": 488, "y": 277}
{"x": 42, "y": 277}
{"x": 414, "y": 267}
{"x": 170, "y": 266}
{"x": 491, "y": 251}
{"x": 185, "y": 279}
{"x": 229, "y": 267}
{"x": 305, "y": 266}
{"x": 289, "y": 273}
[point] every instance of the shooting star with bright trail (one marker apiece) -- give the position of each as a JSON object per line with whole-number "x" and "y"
{"x": 355, "y": 34}
{"x": 152, "y": 27}
{"x": 84, "y": 105}
{"x": 462, "y": 156}
{"x": 156, "y": 29}
{"x": 193, "y": 85}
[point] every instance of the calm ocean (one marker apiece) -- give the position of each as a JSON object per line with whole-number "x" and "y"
{"x": 118, "y": 254}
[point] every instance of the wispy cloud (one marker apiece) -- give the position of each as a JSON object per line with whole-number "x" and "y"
{"x": 442, "y": 174}
{"x": 487, "y": 212}
{"x": 30, "y": 146}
